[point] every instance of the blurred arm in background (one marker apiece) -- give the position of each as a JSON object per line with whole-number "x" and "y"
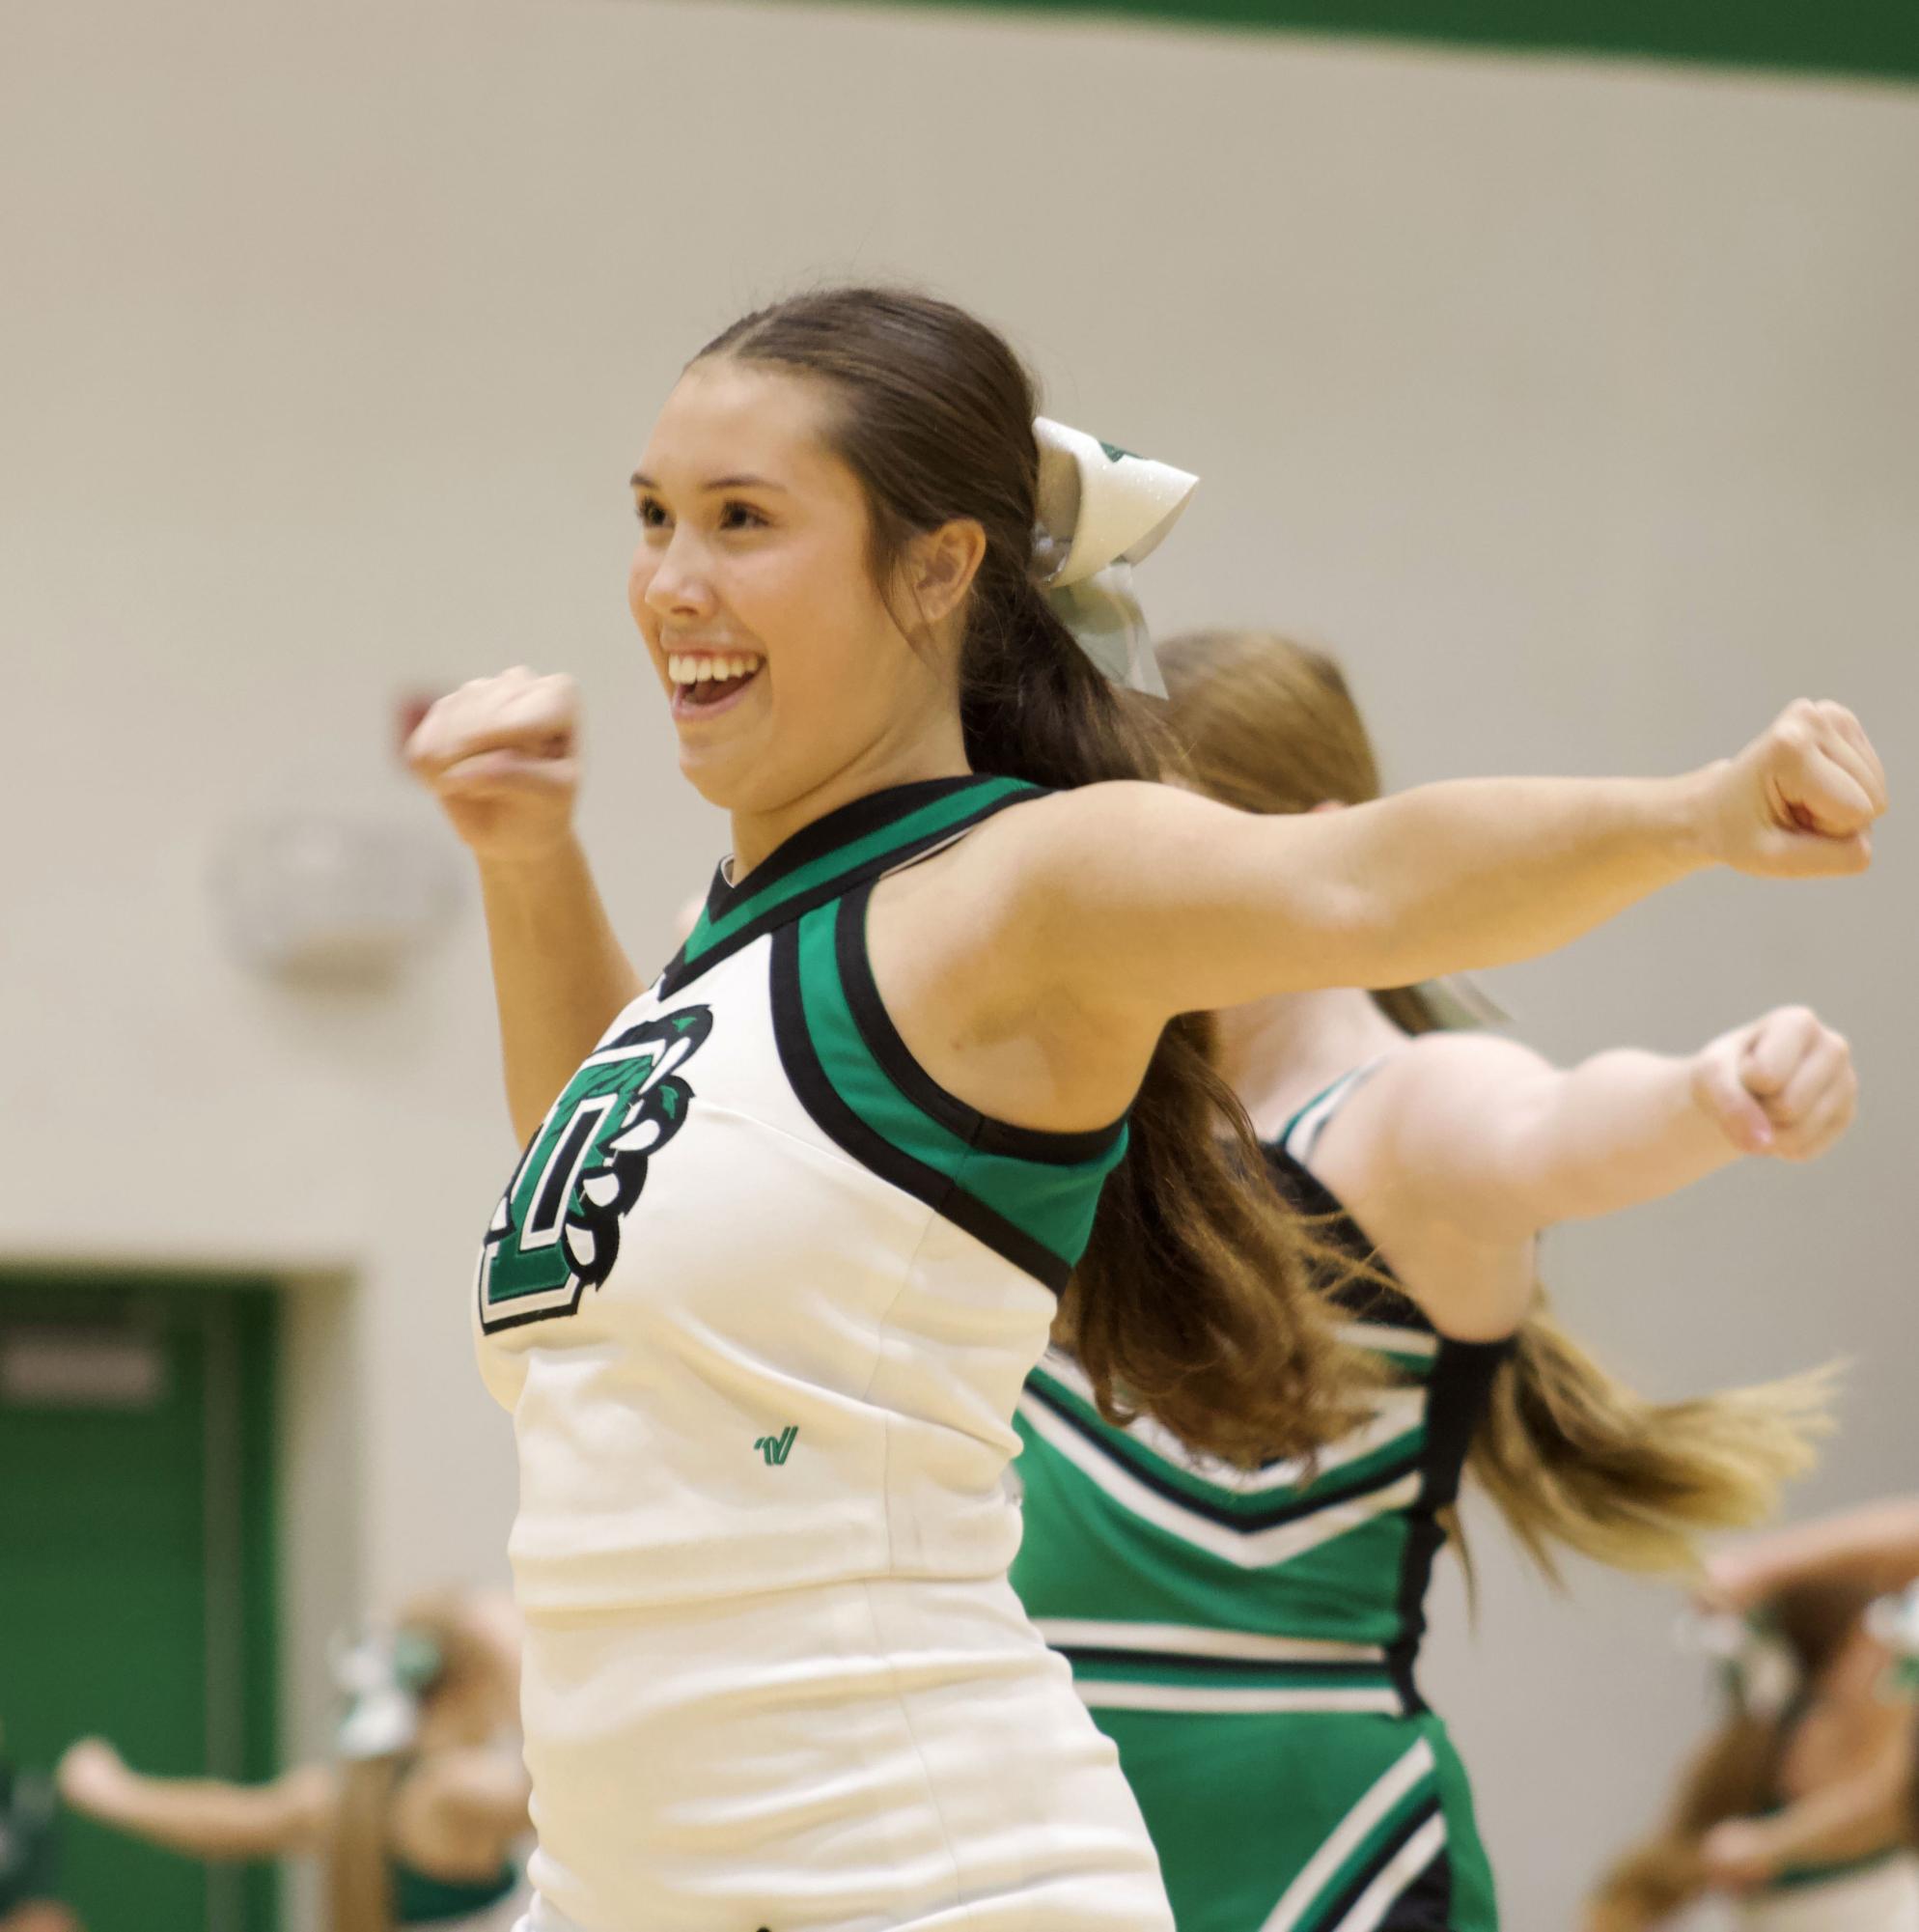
{"x": 202, "y": 1817}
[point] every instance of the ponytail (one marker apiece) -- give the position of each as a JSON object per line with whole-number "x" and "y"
{"x": 359, "y": 1872}
{"x": 1571, "y": 1457}
{"x": 1195, "y": 1299}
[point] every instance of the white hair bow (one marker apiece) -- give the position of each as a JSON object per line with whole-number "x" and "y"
{"x": 1102, "y": 510}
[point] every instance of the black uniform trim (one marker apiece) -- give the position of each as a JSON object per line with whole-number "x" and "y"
{"x": 873, "y": 1150}
{"x": 882, "y": 1040}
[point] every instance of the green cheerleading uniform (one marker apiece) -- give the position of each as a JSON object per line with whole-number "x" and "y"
{"x": 1247, "y": 1639}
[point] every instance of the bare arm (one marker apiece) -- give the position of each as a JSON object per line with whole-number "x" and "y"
{"x": 560, "y": 976}
{"x": 1148, "y": 899}
{"x": 202, "y": 1817}
{"x": 1876, "y": 1547}
{"x": 1851, "y": 1817}
{"x": 501, "y": 755}
{"x": 1494, "y": 1136}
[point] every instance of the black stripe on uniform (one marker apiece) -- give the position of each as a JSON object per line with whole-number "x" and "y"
{"x": 871, "y": 1149}
{"x": 681, "y": 972}
{"x": 883, "y": 1042}
{"x": 1424, "y": 1906}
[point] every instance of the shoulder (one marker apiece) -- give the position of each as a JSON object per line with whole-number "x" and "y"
{"x": 1078, "y": 818}
{"x": 1059, "y": 869}
{"x": 1439, "y": 1083}
{"x": 1000, "y": 887}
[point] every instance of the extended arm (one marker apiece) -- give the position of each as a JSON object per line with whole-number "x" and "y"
{"x": 1142, "y": 898}
{"x": 1874, "y": 1548}
{"x": 202, "y": 1817}
{"x": 1493, "y": 1137}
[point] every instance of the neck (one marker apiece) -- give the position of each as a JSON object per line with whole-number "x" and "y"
{"x": 937, "y": 751}
{"x": 1280, "y": 1052}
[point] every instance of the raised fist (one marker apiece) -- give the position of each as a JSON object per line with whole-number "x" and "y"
{"x": 1798, "y": 802}
{"x": 89, "y": 1774}
{"x": 1783, "y": 1084}
{"x": 502, "y": 756}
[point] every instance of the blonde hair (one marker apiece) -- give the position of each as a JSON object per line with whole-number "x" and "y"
{"x": 1571, "y": 1456}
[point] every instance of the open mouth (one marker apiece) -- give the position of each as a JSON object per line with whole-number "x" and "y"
{"x": 707, "y": 682}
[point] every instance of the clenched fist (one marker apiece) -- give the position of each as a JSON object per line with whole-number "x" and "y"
{"x": 1799, "y": 801}
{"x": 1783, "y": 1084}
{"x": 502, "y": 756}
{"x": 90, "y": 1775}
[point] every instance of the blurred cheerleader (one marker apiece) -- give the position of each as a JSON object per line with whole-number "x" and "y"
{"x": 1804, "y": 1804}
{"x": 1248, "y": 1636}
{"x": 416, "y": 1819}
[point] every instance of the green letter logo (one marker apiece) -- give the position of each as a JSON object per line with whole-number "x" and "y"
{"x": 556, "y": 1232}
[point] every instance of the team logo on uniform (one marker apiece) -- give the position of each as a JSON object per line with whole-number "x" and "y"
{"x": 556, "y": 1232}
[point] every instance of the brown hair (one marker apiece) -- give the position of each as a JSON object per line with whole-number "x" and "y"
{"x": 1570, "y": 1455}
{"x": 1193, "y": 1299}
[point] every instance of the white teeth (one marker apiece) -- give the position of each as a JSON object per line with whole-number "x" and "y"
{"x": 689, "y": 669}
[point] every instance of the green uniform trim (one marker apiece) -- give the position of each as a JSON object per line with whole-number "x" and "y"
{"x": 832, "y": 855}
{"x": 421, "y": 1899}
{"x": 1053, "y": 1205}
{"x": 1031, "y": 1196}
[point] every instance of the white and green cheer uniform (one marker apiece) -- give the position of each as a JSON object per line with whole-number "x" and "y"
{"x": 1247, "y": 1638}
{"x": 761, "y": 1297}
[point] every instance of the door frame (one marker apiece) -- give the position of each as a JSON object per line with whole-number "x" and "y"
{"x": 306, "y": 1564}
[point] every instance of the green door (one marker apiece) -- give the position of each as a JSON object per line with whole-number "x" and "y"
{"x": 136, "y": 1565}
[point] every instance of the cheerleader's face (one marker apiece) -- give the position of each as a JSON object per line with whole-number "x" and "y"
{"x": 781, "y": 661}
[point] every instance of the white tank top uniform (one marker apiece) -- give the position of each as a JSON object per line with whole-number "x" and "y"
{"x": 761, "y": 1297}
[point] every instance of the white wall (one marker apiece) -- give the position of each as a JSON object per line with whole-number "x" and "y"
{"x": 1575, "y": 403}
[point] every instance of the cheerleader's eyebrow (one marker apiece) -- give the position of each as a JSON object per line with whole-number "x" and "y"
{"x": 641, "y": 482}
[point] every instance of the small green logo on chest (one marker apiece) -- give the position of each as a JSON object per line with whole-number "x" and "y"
{"x": 776, "y": 1448}
{"x": 556, "y": 1232}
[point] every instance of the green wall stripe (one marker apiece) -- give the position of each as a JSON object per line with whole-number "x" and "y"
{"x": 1878, "y": 38}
